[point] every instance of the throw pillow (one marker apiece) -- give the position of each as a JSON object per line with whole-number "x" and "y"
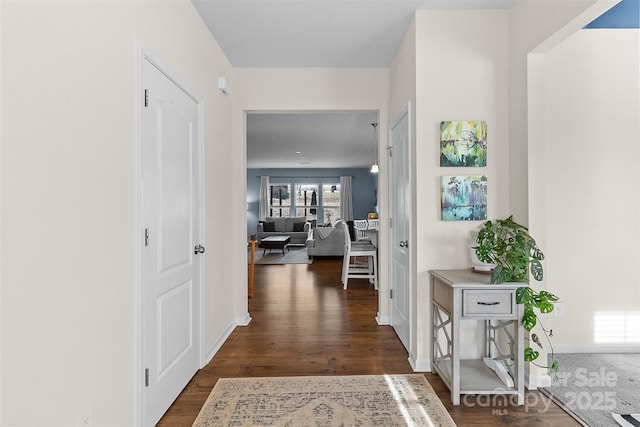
{"x": 269, "y": 226}
{"x": 298, "y": 227}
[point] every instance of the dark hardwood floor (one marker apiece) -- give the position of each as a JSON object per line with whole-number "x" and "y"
{"x": 304, "y": 323}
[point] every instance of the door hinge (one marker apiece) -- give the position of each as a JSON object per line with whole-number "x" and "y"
{"x": 146, "y": 237}
{"x": 390, "y": 150}
{"x": 146, "y": 377}
{"x": 391, "y": 293}
{"x": 390, "y": 222}
{"x": 146, "y": 97}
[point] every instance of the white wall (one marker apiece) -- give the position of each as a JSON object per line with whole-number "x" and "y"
{"x": 402, "y": 73}
{"x": 471, "y": 65}
{"x": 462, "y": 71}
{"x": 69, "y": 143}
{"x": 532, "y": 24}
{"x": 318, "y": 89}
{"x": 588, "y": 161}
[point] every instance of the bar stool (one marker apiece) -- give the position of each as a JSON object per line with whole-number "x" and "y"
{"x": 355, "y": 269}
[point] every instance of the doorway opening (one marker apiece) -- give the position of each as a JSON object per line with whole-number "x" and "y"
{"x": 304, "y": 154}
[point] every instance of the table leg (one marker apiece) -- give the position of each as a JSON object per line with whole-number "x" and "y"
{"x": 251, "y": 267}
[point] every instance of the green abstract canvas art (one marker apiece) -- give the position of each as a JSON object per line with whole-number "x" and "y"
{"x": 463, "y": 143}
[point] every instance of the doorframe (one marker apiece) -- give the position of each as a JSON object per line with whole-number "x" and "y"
{"x": 382, "y": 315}
{"x": 390, "y": 177}
{"x": 144, "y": 53}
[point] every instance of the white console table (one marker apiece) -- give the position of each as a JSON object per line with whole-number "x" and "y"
{"x": 459, "y": 295}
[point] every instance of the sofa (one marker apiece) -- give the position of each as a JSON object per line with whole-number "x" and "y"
{"x": 297, "y": 228}
{"x": 326, "y": 241}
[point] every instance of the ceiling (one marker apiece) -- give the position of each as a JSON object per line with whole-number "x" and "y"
{"x": 313, "y": 33}
{"x": 311, "y": 140}
{"x": 317, "y": 33}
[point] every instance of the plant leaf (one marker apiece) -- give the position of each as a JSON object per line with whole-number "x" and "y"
{"x": 548, "y": 296}
{"x": 484, "y": 254}
{"x": 530, "y": 354}
{"x": 536, "y": 339}
{"x": 523, "y": 295}
{"x": 497, "y": 273}
{"x": 501, "y": 275}
{"x": 536, "y": 269}
{"x": 534, "y": 250}
{"x": 545, "y": 307}
{"x": 529, "y": 319}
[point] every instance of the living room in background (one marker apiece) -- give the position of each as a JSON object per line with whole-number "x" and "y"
{"x": 364, "y": 186}
{"x": 279, "y": 200}
{"x": 331, "y": 202}
{"x": 319, "y": 203}
{"x": 306, "y": 201}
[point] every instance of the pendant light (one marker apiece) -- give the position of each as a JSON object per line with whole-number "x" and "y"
{"x": 374, "y": 167}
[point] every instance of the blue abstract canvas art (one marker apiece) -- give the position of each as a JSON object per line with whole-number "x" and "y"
{"x": 464, "y": 198}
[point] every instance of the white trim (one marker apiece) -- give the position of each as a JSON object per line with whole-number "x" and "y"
{"x": 536, "y": 377}
{"x": 138, "y": 312}
{"x": 213, "y": 350}
{"x": 243, "y": 321}
{"x": 382, "y": 320}
{"x": 419, "y": 365}
{"x": 201, "y": 228}
{"x": 405, "y": 112}
{"x": 143, "y": 53}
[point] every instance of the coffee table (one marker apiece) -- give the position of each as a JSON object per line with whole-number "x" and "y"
{"x": 275, "y": 242}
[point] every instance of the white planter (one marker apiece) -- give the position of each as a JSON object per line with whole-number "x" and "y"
{"x": 478, "y": 265}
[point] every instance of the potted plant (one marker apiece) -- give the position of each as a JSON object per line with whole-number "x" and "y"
{"x": 515, "y": 254}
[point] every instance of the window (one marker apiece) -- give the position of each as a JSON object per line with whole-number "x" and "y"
{"x": 279, "y": 200}
{"x": 315, "y": 202}
{"x": 306, "y": 201}
{"x": 331, "y": 202}
{"x": 616, "y": 327}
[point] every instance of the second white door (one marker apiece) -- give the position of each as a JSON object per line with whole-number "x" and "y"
{"x": 400, "y": 198}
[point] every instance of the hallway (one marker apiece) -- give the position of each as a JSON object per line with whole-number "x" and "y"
{"x": 304, "y": 323}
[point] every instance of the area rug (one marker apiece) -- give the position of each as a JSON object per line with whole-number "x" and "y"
{"x": 592, "y": 387}
{"x": 292, "y": 255}
{"x": 359, "y": 400}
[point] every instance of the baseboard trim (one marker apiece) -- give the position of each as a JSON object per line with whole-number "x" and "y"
{"x": 539, "y": 378}
{"x": 383, "y": 320}
{"x": 597, "y": 348}
{"x": 419, "y": 365}
{"x": 243, "y": 321}
{"x": 240, "y": 321}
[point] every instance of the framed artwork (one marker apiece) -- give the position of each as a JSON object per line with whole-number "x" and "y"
{"x": 464, "y": 198}
{"x": 463, "y": 143}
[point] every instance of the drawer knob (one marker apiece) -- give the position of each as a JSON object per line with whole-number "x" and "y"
{"x": 489, "y": 303}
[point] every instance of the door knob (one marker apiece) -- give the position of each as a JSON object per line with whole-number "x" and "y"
{"x": 199, "y": 249}
{"x": 404, "y": 243}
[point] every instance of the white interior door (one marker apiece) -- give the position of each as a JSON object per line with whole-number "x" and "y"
{"x": 170, "y": 215}
{"x": 400, "y": 195}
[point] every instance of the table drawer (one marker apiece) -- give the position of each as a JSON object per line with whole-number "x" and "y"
{"x": 483, "y": 303}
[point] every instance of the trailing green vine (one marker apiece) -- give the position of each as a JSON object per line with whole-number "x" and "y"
{"x": 515, "y": 253}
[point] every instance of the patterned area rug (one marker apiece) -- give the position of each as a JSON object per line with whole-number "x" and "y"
{"x": 593, "y": 387}
{"x": 360, "y": 400}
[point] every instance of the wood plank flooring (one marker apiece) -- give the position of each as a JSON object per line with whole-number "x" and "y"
{"x": 304, "y": 323}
